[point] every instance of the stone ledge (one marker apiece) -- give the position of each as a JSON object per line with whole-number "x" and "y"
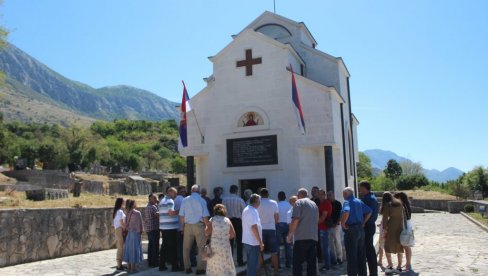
{"x": 481, "y": 225}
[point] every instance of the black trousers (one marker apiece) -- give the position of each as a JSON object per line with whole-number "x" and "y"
{"x": 305, "y": 251}
{"x": 237, "y": 224}
{"x": 169, "y": 250}
{"x": 153, "y": 247}
{"x": 369, "y": 249}
{"x": 356, "y": 257}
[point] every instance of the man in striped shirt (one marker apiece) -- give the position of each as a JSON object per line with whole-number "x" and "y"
{"x": 235, "y": 205}
{"x": 168, "y": 224}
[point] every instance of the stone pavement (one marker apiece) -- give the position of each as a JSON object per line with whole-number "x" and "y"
{"x": 447, "y": 244}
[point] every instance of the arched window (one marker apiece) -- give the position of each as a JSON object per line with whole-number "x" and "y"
{"x": 250, "y": 119}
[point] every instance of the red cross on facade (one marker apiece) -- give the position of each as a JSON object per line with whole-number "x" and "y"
{"x": 248, "y": 62}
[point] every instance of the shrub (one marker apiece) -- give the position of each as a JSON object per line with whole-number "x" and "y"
{"x": 382, "y": 183}
{"x": 469, "y": 208}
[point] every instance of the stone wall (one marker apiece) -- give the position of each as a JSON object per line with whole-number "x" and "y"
{"x": 456, "y": 207}
{"x": 36, "y": 234}
{"x": 44, "y": 178}
{"x": 431, "y": 204}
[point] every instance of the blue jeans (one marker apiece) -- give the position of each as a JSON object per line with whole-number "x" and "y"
{"x": 324, "y": 245}
{"x": 252, "y": 255}
{"x": 281, "y": 233}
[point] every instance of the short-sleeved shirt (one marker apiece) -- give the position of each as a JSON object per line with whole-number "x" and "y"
{"x": 193, "y": 209}
{"x": 325, "y": 206}
{"x": 283, "y": 208}
{"x": 267, "y": 210}
{"x": 234, "y": 205}
{"x": 371, "y": 201}
{"x": 307, "y": 213}
{"x": 178, "y": 200}
{"x": 288, "y": 215}
{"x": 250, "y": 217}
{"x": 119, "y": 215}
{"x": 356, "y": 209}
{"x": 167, "y": 222}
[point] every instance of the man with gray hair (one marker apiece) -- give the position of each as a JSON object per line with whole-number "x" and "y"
{"x": 305, "y": 217}
{"x": 355, "y": 214}
{"x": 193, "y": 220}
{"x": 252, "y": 237}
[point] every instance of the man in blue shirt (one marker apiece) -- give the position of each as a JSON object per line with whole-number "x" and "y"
{"x": 370, "y": 228}
{"x": 355, "y": 214}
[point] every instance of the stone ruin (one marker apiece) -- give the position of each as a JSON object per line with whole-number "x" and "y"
{"x": 46, "y": 194}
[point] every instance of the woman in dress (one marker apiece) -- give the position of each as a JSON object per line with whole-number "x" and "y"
{"x": 392, "y": 210}
{"x": 408, "y": 214}
{"x": 119, "y": 224}
{"x": 220, "y": 231}
{"x": 133, "y": 246}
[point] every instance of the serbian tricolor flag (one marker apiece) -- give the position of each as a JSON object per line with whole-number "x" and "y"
{"x": 296, "y": 102}
{"x": 185, "y": 107}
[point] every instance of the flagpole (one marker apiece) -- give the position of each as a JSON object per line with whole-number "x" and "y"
{"x": 194, "y": 115}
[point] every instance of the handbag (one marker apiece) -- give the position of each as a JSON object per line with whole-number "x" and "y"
{"x": 407, "y": 237}
{"x": 125, "y": 231}
{"x": 207, "y": 252}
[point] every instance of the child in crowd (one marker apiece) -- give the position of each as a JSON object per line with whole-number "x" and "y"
{"x": 381, "y": 247}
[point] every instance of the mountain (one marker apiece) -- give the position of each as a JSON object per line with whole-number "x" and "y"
{"x": 379, "y": 159}
{"x": 443, "y": 176}
{"x": 52, "y": 94}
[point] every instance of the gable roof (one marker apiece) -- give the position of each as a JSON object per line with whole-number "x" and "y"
{"x": 277, "y": 17}
{"x": 260, "y": 36}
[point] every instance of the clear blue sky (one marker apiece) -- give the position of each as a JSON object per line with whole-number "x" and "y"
{"x": 419, "y": 77}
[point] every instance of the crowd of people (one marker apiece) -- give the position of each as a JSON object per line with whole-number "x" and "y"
{"x": 315, "y": 229}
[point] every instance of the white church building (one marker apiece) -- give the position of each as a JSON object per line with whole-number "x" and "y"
{"x": 251, "y": 137}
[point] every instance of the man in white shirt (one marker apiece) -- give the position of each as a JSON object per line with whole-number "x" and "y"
{"x": 252, "y": 234}
{"x": 282, "y": 227}
{"x": 268, "y": 213}
{"x": 235, "y": 206}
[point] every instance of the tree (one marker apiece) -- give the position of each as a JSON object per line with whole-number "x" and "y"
{"x": 411, "y": 168}
{"x": 457, "y": 188}
{"x": 408, "y": 182}
{"x": 178, "y": 165}
{"x": 393, "y": 170}
{"x": 365, "y": 171}
{"x": 382, "y": 183}
{"x": 477, "y": 180}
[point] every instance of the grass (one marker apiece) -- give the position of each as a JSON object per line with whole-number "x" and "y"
{"x": 420, "y": 194}
{"x": 18, "y": 200}
{"x": 478, "y": 217}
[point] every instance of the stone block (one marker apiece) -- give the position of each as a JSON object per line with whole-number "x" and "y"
{"x": 44, "y": 194}
{"x": 455, "y": 207}
{"x": 52, "y": 244}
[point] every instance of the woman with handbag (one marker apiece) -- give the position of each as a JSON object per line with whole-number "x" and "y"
{"x": 392, "y": 210}
{"x": 219, "y": 254}
{"x": 119, "y": 225}
{"x": 133, "y": 245}
{"x": 408, "y": 215}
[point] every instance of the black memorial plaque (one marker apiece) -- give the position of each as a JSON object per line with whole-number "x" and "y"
{"x": 252, "y": 151}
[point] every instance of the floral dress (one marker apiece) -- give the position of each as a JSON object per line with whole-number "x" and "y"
{"x": 221, "y": 263}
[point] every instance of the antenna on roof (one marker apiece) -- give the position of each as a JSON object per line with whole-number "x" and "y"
{"x": 274, "y": 6}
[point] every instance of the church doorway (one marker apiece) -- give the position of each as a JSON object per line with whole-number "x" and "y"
{"x": 252, "y": 184}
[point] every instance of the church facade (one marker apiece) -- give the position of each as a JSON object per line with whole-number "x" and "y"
{"x": 251, "y": 136}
